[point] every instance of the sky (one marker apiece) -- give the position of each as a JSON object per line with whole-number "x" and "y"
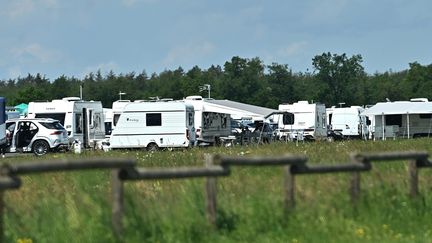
{"x": 74, "y": 38}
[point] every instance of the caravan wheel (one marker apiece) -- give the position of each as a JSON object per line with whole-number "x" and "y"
{"x": 152, "y": 147}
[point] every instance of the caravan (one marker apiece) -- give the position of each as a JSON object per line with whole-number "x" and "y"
{"x": 211, "y": 122}
{"x": 309, "y": 122}
{"x": 154, "y": 125}
{"x": 83, "y": 120}
{"x": 403, "y": 119}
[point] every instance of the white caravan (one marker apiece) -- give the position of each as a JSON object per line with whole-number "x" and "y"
{"x": 309, "y": 121}
{"x": 211, "y": 122}
{"x": 405, "y": 119}
{"x": 154, "y": 125}
{"x": 348, "y": 121}
{"x": 83, "y": 120}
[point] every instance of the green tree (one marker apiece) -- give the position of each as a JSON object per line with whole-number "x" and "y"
{"x": 339, "y": 76}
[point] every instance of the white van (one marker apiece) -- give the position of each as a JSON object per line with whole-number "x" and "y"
{"x": 83, "y": 120}
{"x": 349, "y": 121}
{"x": 154, "y": 125}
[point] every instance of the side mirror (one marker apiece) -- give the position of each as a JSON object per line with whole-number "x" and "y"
{"x": 288, "y": 118}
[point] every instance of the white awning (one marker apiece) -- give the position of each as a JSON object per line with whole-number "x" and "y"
{"x": 399, "y": 107}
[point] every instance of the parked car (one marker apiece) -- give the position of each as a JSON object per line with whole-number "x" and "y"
{"x": 37, "y": 135}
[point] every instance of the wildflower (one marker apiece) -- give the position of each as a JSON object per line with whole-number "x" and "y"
{"x": 25, "y": 240}
{"x": 360, "y": 232}
{"x": 398, "y": 236}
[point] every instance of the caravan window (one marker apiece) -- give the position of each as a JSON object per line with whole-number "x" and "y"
{"x": 190, "y": 118}
{"x": 78, "y": 123}
{"x": 154, "y": 119}
{"x": 90, "y": 117}
{"x": 56, "y": 116}
{"x": 116, "y": 118}
{"x": 425, "y": 116}
{"x": 391, "y": 120}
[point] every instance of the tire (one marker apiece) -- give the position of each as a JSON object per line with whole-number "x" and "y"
{"x": 152, "y": 147}
{"x": 40, "y": 147}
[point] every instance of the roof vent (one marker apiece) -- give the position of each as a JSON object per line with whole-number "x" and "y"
{"x": 71, "y": 98}
{"x": 194, "y": 97}
{"x": 419, "y": 100}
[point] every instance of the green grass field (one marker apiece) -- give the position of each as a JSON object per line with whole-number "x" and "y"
{"x": 76, "y": 207}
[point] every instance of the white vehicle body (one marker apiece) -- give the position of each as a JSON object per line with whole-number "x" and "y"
{"x": 117, "y": 109}
{"x": 38, "y": 135}
{"x": 349, "y": 121}
{"x": 405, "y": 119}
{"x": 3, "y": 119}
{"x": 83, "y": 120}
{"x": 108, "y": 118}
{"x": 154, "y": 125}
{"x": 309, "y": 121}
{"x": 211, "y": 123}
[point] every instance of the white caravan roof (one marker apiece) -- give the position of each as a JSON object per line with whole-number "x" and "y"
{"x": 155, "y": 106}
{"x": 239, "y": 110}
{"x": 299, "y": 107}
{"x": 399, "y": 107}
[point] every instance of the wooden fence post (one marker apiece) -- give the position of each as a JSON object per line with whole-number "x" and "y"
{"x": 289, "y": 182}
{"x": 210, "y": 192}
{"x": 355, "y": 188}
{"x": 2, "y": 212}
{"x": 355, "y": 183}
{"x": 413, "y": 178}
{"x": 117, "y": 205}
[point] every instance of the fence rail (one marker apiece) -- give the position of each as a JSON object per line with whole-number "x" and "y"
{"x": 124, "y": 170}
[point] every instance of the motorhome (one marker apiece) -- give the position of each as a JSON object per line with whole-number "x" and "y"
{"x": 83, "y": 120}
{"x": 154, "y": 125}
{"x": 401, "y": 119}
{"x": 211, "y": 122}
{"x": 348, "y": 121}
{"x": 309, "y": 121}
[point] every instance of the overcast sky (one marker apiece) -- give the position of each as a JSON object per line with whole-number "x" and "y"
{"x": 75, "y": 37}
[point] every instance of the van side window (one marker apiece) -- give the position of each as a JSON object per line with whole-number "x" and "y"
{"x": 153, "y": 119}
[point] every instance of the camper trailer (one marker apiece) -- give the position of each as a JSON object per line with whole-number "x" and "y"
{"x": 309, "y": 121}
{"x": 83, "y": 120}
{"x": 154, "y": 125}
{"x": 401, "y": 119}
{"x": 348, "y": 121}
{"x": 211, "y": 123}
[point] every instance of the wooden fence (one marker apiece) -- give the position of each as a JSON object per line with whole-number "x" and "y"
{"x": 215, "y": 165}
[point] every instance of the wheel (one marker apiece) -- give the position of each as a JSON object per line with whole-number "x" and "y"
{"x": 40, "y": 147}
{"x": 152, "y": 147}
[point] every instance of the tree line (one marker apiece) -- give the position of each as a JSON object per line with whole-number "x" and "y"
{"x": 336, "y": 78}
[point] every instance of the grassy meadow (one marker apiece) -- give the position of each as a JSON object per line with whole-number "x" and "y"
{"x": 76, "y": 206}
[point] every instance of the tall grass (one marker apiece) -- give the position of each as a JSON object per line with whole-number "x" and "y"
{"x": 76, "y": 206}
